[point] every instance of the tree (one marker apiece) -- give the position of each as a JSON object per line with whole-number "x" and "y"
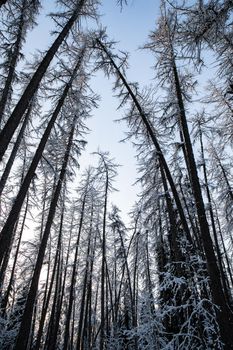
{"x": 20, "y": 17}
{"x": 163, "y": 39}
{"x": 7, "y": 230}
{"x": 22, "y": 339}
{"x": 14, "y": 120}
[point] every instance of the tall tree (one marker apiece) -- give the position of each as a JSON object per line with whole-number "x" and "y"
{"x": 20, "y": 17}
{"x": 19, "y": 110}
{"x": 7, "y": 230}
{"x": 24, "y": 331}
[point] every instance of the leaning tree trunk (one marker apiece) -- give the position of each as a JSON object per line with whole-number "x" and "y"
{"x": 24, "y": 331}
{"x": 15, "y": 148}
{"x": 153, "y": 138}
{"x": 12, "y": 64}
{"x": 224, "y": 315}
{"x": 4, "y": 301}
{"x": 7, "y": 231}
{"x": 14, "y": 120}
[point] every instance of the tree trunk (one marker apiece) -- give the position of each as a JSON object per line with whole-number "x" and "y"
{"x": 9, "y": 288}
{"x": 224, "y": 315}
{"x": 154, "y": 140}
{"x": 7, "y": 230}
{"x": 73, "y": 279}
{"x": 103, "y": 267}
{"x": 24, "y": 331}
{"x": 11, "y": 159}
{"x": 79, "y": 344}
{"x": 14, "y": 120}
{"x": 54, "y": 272}
{"x": 217, "y": 247}
{"x": 12, "y": 64}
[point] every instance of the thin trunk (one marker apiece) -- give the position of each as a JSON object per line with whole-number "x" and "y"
{"x": 229, "y": 264}
{"x": 21, "y": 343}
{"x": 51, "y": 338}
{"x": 12, "y": 64}
{"x": 15, "y": 148}
{"x": 133, "y": 310}
{"x": 103, "y": 266}
{"x": 10, "y": 284}
{"x": 48, "y": 296}
{"x": 154, "y": 140}
{"x": 219, "y": 254}
{"x": 172, "y": 235}
{"x": 7, "y": 230}
{"x": 80, "y": 332}
{"x": 192, "y": 220}
{"x": 88, "y": 323}
{"x": 63, "y": 285}
{"x": 19, "y": 110}
{"x": 224, "y": 315}
{"x": 73, "y": 279}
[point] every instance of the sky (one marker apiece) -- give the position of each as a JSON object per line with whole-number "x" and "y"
{"x": 130, "y": 28}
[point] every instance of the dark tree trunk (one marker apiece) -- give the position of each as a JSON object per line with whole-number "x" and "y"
{"x": 88, "y": 323}
{"x": 13, "y": 61}
{"x": 81, "y": 330}
{"x": 6, "y": 234}
{"x": 217, "y": 247}
{"x": 154, "y": 140}
{"x": 9, "y": 288}
{"x": 103, "y": 267}
{"x": 225, "y": 318}
{"x": 24, "y": 331}
{"x": 73, "y": 280}
{"x": 48, "y": 296}
{"x": 11, "y": 159}
{"x": 14, "y": 120}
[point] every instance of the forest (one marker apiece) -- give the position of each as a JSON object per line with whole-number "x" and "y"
{"x": 74, "y": 273}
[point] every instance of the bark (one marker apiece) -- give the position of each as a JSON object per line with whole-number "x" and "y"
{"x": 217, "y": 247}
{"x": 11, "y": 159}
{"x": 63, "y": 285}
{"x": 6, "y": 257}
{"x": 73, "y": 279}
{"x": 79, "y": 344}
{"x": 10, "y": 283}
{"x": 103, "y": 266}
{"x": 88, "y": 326}
{"x": 17, "y": 114}
{"x": 51, "y": 339}
{"x": 48, "y": 296}
{"x": 225, "y": 318}
{"x": 154, "y": 140}
{"x": 173, "y": 235}
{"x": 24, "y": 331}
{"x": 12, "y": 63}
{"x": 7, "y": 230}
{"x": 229, "y": 264}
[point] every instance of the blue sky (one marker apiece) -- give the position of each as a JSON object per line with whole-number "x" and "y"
{"x": 130, "y": 28}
